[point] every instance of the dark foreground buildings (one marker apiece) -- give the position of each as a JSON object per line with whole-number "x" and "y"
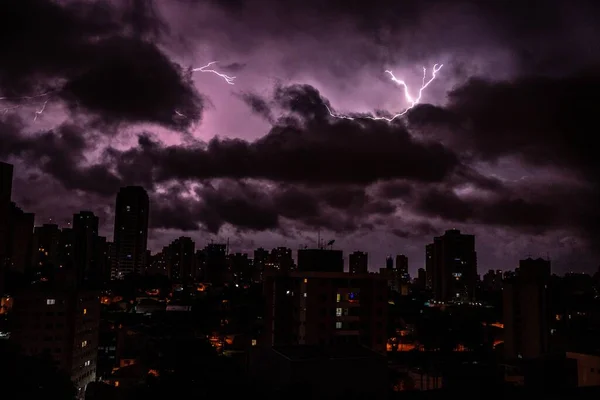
{"x": 321, "y": 305}
{"x": 60, "y": 322}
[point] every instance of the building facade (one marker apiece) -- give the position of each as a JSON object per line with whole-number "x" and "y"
{"x": 451, "y": 264}
{"x": 131, "y": 231}
{"x": 315, "y": 308}
{"x": 62, "y": 323}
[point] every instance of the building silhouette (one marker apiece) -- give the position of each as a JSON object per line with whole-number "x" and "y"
{"x": 214, "y": 268}
{"x": 358, "y": 263}
{"x": 6, "y": 176}
{"x": 85, "y": 241}
{"x": 259, "y": 262}
{"x": 46, "y": 249}
{"x": 325, "y": 308}
{"x": 180, "y": 259}
{"x": 19, "y": 240}
{"x": 281, "y": 259}
{"x": 402, "y": 267}
{"x": 451, "y": 266}
{"x": 320, "y": 260}
{"x": 62, "y": 323}
{"x": 131, "y": 231}
{"x": 525, "y": 300}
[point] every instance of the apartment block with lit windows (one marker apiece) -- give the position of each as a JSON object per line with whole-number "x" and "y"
{"x": 326, "y": 308}
{"x": 62, "y": 323}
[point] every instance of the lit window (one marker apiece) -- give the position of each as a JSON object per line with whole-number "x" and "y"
{"x": 338, "y": 297}
{"x": 338, "y": 325}
{"x": 338, "y": 312}
{"x": 50, "y": 302}
{"x": 305, "y": 280}
{"x": 84, "y": 343}
{"x": 87, "y": 363}
{"x": 84, "y": 311}
{"x": 253, "y": 342}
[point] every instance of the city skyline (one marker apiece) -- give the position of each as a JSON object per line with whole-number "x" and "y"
{"x": 454, "y": 249}
{"x": 498, "y": 146}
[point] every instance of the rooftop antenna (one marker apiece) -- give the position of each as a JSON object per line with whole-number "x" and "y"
{"x": 319, "y": 239}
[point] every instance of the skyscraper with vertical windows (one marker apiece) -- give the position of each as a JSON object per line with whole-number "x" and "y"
{"x": 452, "y": 266}
{"x": 131, "y": 231}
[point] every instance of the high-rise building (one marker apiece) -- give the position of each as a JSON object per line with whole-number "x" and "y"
{"x": 317, "y": 308}
{"x": 421, "y": 281}
{"x": 85, "y": 239}
{"x": 320, "y": 260}
{"x": 402, "y": 267}
{"x": 389, "y": 263}
{"x": 6, "y": 176}
{"x": 46, "y": 248}
{"x": 358, "y": 263}
{"x": 215, "y": 263}
{"x": 451, "y": 262}
{"x": 240, "y": 268}
{"x": 281, "y": 259}
{"x": 19, "y": 239}
{"x": 261, "y": 258}
{"x": 102, "y": 260}
{"x": 62, "y": 323}
{"x": 429, "y": 265}
{"x": 131, "y": 231}
{"x": 526, "y": 313}
{"x": 180, "y": 259}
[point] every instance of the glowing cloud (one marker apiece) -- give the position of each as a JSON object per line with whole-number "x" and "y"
{"x": 412, "y": 101}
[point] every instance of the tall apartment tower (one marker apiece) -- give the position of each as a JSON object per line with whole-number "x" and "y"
{"x": 451, "y": 262}
{"x": 131, "y": 231}
{"x": 526, "y": 312}
{"x": 358, "y": 263}
{"x": 85, "y": 241}
{"x": 180, "y": 259}
{"x": 6, "y": 175}
{"x": 402, "y": 267}
{"x": 20, "y": 239}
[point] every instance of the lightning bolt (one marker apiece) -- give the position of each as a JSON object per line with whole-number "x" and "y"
{"x": 412, "y": 101}
{"x": 38, "y": 112}
{"x": 228, "y": 79}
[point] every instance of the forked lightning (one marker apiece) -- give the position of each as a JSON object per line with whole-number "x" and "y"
{"x": 412, "y": 101}
{"x": 228, "y": 79}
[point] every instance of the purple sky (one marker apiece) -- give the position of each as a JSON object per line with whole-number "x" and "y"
{"x": 501, "y": 145}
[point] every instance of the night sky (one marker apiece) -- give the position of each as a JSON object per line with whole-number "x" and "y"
{"x": 502, "y": 144}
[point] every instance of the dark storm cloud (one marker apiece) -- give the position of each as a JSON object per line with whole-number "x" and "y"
{"x": 258, "y": 105}
{"x": 252, "y": 206}
{"x": 543, "y": 121}
{"x": 233, "y": 67}
{"x": 546, "y": 121}
{"x": 306, "y": 147}
{"x": 535, "y": 36}
{"x": 59, "y": 153}
{"x": 98, "y": 58}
